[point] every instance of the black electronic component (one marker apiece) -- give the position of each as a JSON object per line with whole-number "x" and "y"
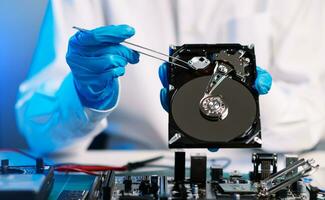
{"x": 39, "y": 165}
{"x": 4, "y": 166}
{"x": 179, "y": 168}
{"x": 179, "y": 191}
{"x": 198, "y": 169}
{"x": 264, "y": 165}
{"x": 216, "y": 173}
{"x": 154, "y": 185}
{"x": 127, "y": 184}
{"x": 144, "y": 186}
{"x": 315, "y": 193}
{"x": 214, "y": 103}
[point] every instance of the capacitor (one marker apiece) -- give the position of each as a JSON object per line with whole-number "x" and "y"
{"x": 195, "y": 191}
{"x": 198, "y": 168}
{"x": 216, "y": 173}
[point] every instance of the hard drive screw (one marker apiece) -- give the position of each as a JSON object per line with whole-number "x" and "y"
{"x": 223, "y": 69}
{"x": 176, "y": 137}
{"x": 258, "y": 140}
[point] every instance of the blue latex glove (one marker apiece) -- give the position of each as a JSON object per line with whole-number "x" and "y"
{"x": 262, "y": 84}
{"x": 263, "y": 81}
{"x": 97, "y": 59}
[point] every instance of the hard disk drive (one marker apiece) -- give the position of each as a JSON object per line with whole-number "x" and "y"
{"x": 212, "y": 98}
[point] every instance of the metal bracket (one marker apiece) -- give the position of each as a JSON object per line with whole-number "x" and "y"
{"x": 285, "y": 177}
{"x": 236, "y": 60}
{"x": 199, "y": 62}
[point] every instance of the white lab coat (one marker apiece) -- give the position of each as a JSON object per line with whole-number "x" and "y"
{"x": 289, "y": 42}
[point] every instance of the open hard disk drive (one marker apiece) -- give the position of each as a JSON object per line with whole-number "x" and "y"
{"x": 212, "y": 98}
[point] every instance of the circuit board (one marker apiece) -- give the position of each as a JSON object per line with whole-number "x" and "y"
{"x": 263, "y": 182}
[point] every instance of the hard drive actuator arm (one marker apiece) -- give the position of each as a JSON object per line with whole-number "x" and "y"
{"x": 211, "y": 106}
{"x": 214, "y": 107}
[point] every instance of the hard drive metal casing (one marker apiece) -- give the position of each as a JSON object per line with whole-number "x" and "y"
{"x": 187, "y": 129}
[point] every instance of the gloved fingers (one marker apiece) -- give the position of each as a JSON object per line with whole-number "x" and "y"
{"x": 263, "y": 81}
{"x": 103, "y": 35}
{"x": 164, "y": 99}
{"x": 93, "y": 79}
{"x": 163, "y": 74}
{"x": 117, "y": 72}
{"x": 95, "y": 64}
{"x": 83, "y": 75}
{"x": 114, "y": 49}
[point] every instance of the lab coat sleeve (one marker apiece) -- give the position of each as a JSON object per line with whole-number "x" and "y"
{"x": 293, "y": 113}
{"x": 292, "y": 117}
{"x": 48, "y": 110}
{"x": 51, "y": 116}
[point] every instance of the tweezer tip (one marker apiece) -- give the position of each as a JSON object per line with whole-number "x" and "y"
{"x": 79, "y": 29}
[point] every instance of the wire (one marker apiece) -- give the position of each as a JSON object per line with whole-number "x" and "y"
{"x": 135, "y": 165}
{"x": 72, "y": 169}
{"x": 65, "y": 167}
{"x": 90, "y": 167}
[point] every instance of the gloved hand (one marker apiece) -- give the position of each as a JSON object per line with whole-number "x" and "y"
{"x": 97, "y": 59}
{"x": 262, "y": 84}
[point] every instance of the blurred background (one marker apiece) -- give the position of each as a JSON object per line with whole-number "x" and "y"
{"x": 20, "y": 23}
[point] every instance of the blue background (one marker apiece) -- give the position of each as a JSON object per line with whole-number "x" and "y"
{"x": 20, "y": 23}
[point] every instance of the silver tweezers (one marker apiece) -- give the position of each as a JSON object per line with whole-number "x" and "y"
{"x": 149, "y": 50}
